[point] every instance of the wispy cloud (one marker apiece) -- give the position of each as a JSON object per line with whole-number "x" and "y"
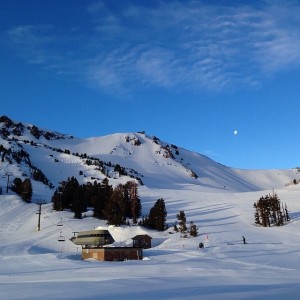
{"x": 31, "y": 42}
{"x": 171, "y": 44}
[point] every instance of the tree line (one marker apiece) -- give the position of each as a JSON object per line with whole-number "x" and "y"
{"x": 112, "y": 204}
{"x": 115, "y": 205}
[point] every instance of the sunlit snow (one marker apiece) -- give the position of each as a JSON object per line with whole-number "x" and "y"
{"x": 35, "y": 265}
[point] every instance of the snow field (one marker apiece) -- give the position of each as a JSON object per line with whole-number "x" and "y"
{"x": 268, "y": 267}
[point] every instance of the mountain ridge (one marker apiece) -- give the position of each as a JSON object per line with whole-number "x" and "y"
{"x": 26, "y": 148}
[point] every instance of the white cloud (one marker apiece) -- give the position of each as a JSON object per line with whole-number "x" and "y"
{"x": 206, "y": 46}
{"x": 173, "y": 44}
{"x": 31, "y": 42}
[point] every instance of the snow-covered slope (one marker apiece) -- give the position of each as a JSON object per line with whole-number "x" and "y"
{"x": 34, "y": 264}
{"x": 147, "y": 159}
{"x": 218, "y": 199}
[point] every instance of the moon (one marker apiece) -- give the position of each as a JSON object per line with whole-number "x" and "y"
{"x": 235, "y": 132}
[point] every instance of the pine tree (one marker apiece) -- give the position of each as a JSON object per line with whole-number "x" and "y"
{"x": 193, "y": 229}
{"x": 105, "y": 196}
{"x": 78, "y": 206}
{"x": 116, "y": 207}
{"x": 135, "y": 207}
{"x": 26, "y": 190}
{"x": 68, "y": 196}
{"x": 17, "y": 186}
{"x": 157, "y": 216}
{"x": 23, "y": 188}
{"x": 97, "y": 200}
{"x": 67, "y": 190}
{"x": 57, "y": 201}
{"x": 256, "y": 215}
{"x": 182, "y": 221}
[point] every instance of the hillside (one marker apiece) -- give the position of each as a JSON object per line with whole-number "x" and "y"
{"x": 219, "y": 199}
{"x": 152, "y": 162}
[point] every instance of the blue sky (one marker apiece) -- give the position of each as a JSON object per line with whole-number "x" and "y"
{"x": 188, "y": 72}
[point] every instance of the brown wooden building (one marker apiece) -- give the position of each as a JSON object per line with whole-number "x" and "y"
{"x": 142, "y": 241}
{"x": 112, "y": 253}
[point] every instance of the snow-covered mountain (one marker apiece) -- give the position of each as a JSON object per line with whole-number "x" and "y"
{"x": 218, "y": 199}
{"x": 26, "y": 148}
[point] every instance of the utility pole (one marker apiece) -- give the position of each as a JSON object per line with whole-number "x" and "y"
{"x": 39, "y": 213}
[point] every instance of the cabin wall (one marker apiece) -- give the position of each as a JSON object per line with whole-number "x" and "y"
{"x": 120, "y": 254}
{"x": 112, "y": 254}
{"x": 95, "y": 253}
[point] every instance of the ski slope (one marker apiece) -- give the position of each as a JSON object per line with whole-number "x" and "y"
{"x": 35, "y": 265}
{"x": 218, "y": 199}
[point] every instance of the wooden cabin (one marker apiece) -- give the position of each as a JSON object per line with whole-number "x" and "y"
{"x": 94, "y": 245}
{"x": 142, "y": 241}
